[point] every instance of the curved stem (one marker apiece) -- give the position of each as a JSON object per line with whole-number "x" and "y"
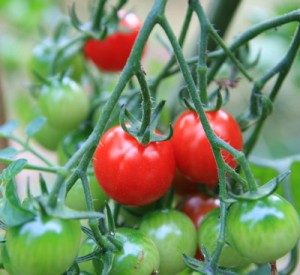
{"x": 249, "y": 34}
{"x": 282, "y": 69}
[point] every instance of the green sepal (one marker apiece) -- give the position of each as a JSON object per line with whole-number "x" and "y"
{"x": 11, "y": 210}
{"x": 264, "y": 190}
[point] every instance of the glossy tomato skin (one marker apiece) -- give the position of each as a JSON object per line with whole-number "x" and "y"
{"x": 111, "y": 54}
{"x": 197, "y": 206}
{"x": 193, "y": 153}
{"x": 130, "y": 173}
{"x": 208, "y": 232}
{"x": 64, "y": 103}
{"x": 263, "y": 230}
{"x": 174, "y": 234}
{"x": 139, "y": 254}
{"x": 45, "y": 246}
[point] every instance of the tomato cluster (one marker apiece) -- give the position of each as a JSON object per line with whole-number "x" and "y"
{"x": 164, "y": 193}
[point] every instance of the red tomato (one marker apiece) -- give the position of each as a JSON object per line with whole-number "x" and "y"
{"x": 130, "y": 173}
{"x": 193, "y": 153}
{"x": 197, "y": 206}
{"x": 111, "y": 54}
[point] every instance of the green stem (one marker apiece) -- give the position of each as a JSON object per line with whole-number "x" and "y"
{"x": 31, "y": 150}
{"x": 97, "y": 17}
{"x": 53, "y": 170}
{"x": 146, "y": 107}
{"x": 282, "y": 69}
{"x": 165, "y": 71}
{"x": 249, "y": 34}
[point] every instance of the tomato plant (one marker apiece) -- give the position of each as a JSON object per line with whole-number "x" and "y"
{"x": 111, "y": 53}
{"x": 64, "y": 103}
{"x": 193, "y": 153}
{"x": 46, "y": 245}
{"x": 263, "y": 230}
{"x": 125, "y": 138}
{"x": 174, "y": 234}
{"x": 131, "y": 173}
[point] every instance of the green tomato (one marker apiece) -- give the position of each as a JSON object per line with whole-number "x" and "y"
{"x": 46, "y": 245}
{"x": 174, "y": 234}
{"x": 208, "y": 235}
{"x": 132, "y": 215}
{"x": 263, "y": 230}
{"x": 49, "y": 137}
{"x": 64, "y": 103}
{"x": 139, "y": 254}
{"x": 76, "y": 199}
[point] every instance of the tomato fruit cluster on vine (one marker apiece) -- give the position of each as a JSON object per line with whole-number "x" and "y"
{"x": 164, "y": 194}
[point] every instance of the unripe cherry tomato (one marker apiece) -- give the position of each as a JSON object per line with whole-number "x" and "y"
{"x": 64, "y": 103}
{"x": 174, "y": 234}
{"x": 208, "y": 232}
{"x": 46, "y": 245}
{"x": 263, "y": 230}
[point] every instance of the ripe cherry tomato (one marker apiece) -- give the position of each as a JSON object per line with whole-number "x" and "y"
{"x": 64, "y": 103}
{"x": 46, "y": 245}
{"x": 208, "y": 235}
{"x": 174, "y": 234}
{"x": 197, "y": 206}
{"x": 263, "y": 230}
{"x": 111, "y": 54}
{"x": 193, "y": 153}
{"x": 130, "y": 173}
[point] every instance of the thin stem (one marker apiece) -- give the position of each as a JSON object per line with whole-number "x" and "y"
{"x": 165, "y": 71}
{"x": 53, "y": 170}
{"x": 31, "y": 150}
{"x": 282, "y": 69}
{"x": 97, "y": 17}
{"x": 249, "y": 34}
{"x": 146, "y": 107}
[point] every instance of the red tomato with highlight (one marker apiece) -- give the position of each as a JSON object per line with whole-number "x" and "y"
{"x": 131, "y": 173}
{"x": 193, "y": 153}
{"x": 197, "y": 206}
{"x": 111, "y": 54}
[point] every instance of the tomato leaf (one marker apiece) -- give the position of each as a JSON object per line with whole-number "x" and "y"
{"x": 7, "y": 128}
{"x": 8, "y": 153}
{"x": 264, "y": 190}
{"x": 34, "y": 126}
{"x": 294, "y": 184}
{"x": 12, "y": 170}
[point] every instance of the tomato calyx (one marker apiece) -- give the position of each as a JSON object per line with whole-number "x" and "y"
{"x": 101, "y": 23}
{"x": 262, "y": 191}
{"x": 131, "y": 125}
